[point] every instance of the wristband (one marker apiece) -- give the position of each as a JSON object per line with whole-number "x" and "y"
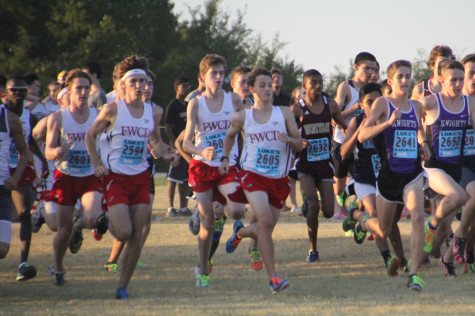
{"x": 224, "y": 157}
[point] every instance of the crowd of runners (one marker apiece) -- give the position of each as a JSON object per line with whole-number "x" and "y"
{"x": 83, "y": 160}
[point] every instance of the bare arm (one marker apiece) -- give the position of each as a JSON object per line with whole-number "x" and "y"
{"x": 55, "y": 148}
{"x": 179, "y": 146}
{"x": 169, "y": 132}
{"x": 237, "y": 102}
{"x": 16, "y": 133}
{"x": 35, "y": 149}
{"x": 292, "y": 137}
{"x": 421, "y": 136}
{"x": 39, "y": 132}
{"x": 376, "y": 121}
{"x": 106, "y": 116}
{"x": 342, "y": 92}
{"x": 351, "y": 139}
{"x": 191, "y": 121}
{"x": 159, "y": 148}
{"x": 336, "y": 115}
{"x": 237, "y": 123}
{"x": 417, "y": 92}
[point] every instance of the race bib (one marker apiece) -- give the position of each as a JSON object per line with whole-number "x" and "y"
{"x": 13, "y": 154}
{"x": 368, "y": 144}
{"x": 216, "y": 140}
{"x": 318, "y": 150}
{"x": 469, "y": 144}
{"x": 132, "y": 152}
{"x": 405, "y": 144}
{"x": 449, "y": 143}
{"x": 79, "y": 161}
{"x": 268, "y": 161}
{"x": 376, "y": 162}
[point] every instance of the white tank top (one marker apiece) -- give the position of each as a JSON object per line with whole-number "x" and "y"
{"x": 263, "y": 152}
{"x": 338, "y": 136}
{"x": 125, "y": 150}
{"x": 5, "y": 141}
{"x": 26, "y": 127}
{"x": 76, "y": 162}
{"x": 212, "y": 127}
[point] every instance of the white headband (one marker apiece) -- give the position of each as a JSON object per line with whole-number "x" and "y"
{"x": 132, "y": 73}
{"x": 62, "y": 93}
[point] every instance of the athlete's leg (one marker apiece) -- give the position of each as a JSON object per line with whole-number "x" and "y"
{"x": 50, "y": 216}
{"x": 61, "y": 239}
{"x": 382, "y": 225}
{"x": 205, "y": 200}
{"x": 468, "y": 214}
{"x": 23, "y": 198}
{"x": 233, "y": 209}
{"x": 183, "y": 191}
{"x": 308, "y": 185}
{"x": 171, "y": 192}
{"x": 91, "y": 202}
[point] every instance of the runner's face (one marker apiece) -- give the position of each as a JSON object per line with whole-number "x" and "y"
{"x": 440, "y": 59}
{"x": 314, "y": 87}
{"x": 135, "y": 86}
{"x": 375, "y": 76}
{"x": 470, "y": 78}
{"x": 240, "y": 86}
{"x": 16, "y": 92}
{"x": 148, "y": 90}
{"x": 183, "y": 89}
{"x": 53, "y": 90}
{"x": 401, "y": 81}
{"x": 364, "y": 71}
{"x": 368, "y": 100}
{"x": 452, "y": 82}
{"x": 35, "y": 88}
{"x": 262, "y": 89}
{"x": 79, "y": 91}
{"x": 214, "y": 77}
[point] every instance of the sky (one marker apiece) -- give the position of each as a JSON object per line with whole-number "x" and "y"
{"x": 328, "y": 34}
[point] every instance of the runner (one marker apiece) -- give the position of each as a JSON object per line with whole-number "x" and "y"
{"x": 269, "y": 133}
{"x": 130, "y": 126}
{"x": 397, "y": 119}
{"x": 208, "y": 119}
{"x": 24, "y": 194}
{"x": 74, "y": 177}
{"x": 315, "y": 170}
{"x": 11, "y": 129}
{"x": 366, "y": 168}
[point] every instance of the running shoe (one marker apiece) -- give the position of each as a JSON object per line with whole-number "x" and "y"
{"x": 429, "y": 236}
{"x": 449, "y": 240}
{"x": 416, "y": 283}
{"x": 392, "y": 266}
{"x": 51, "y": 270}
{"x": 341, "y": 199}
{"x": 459, "y": 249}
{"x": 102, "y": 224}
{"x": 359, "y": 235}
{"x": 194, "y": 223}
{"x": 37, "y": 218}
{"x": 75, "y": 242}
{"x": 140, "y": 265}
{"x": 111, "y": 267}
{"x": 256, "y": 260}
{"x": 312, "y": 256}
{"x": 370, "y": 236}
{"x": 25, "y": 272}
{"x": 202, "y": 281}
{"x": 121, "y": 294}
{"x": 277, "y": 285}
{"x": 296, "y": 209}
{"x": 458, "y": 216}
{"x": 448, "y": 267}
{"x": 210, "y": 267}
{"x": 469, "y": 268}
{"x": 348, "y": 223}
{"x": 172, "y": 212}
{"x": 233, "y": 241}
{"x": 185, "y": 211}
{"x": 338, "y": 217}
{"x": 218, "y": 227}
{"x": 59, "y": 279}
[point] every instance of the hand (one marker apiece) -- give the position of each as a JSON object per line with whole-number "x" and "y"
{"x": 395, "y": 116}
{"x": 155, "y": 153}
{"x": 45, "y": 170}
{"x": 284, "y": 138}
{"x": 65, "y": 146}
{"x": 101, "y": 171}
{"x": 172, "y": 157}
{"x": 424, "y": 151}
{"x": 305, "y": 142}
{"x": 10, "y": 183}
{"x": 224, "y": 167}
{"x": 208, "y": 153}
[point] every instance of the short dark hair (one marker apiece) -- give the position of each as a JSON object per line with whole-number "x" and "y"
{"x": 275, "y": 70}
{"x": 470, "y": 58}
{"x": 449, "y": 64}
{"x": 211, "y": 60}
{"x": 364, "y": 56}
{"x": 385, "y": 85}
{"x": 76, "y": 73}
{"x": 396, "y": 64}
{"x": 132, "y": 62}
{"x": 439, "y": 50}
{"x": 179, "y": 80}
{"x": 311, "y": 73}
{"x": 251, "y": 80}
{"x": 16, "y": 78}
{"x": 3, "y": 80}
{"x": 151, "y": 74}
{"x": 368, "y": 88}
{"x": 239, "y": 70}
{"x": 93, "y": 67}
{"x": 30, "y": 78}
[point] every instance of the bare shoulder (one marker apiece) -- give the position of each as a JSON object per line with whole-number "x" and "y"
{"x": 157, "y": 110}
{"x": 237, "y": 102}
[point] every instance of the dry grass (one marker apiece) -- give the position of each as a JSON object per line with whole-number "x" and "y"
{"x": 349, "y": 279}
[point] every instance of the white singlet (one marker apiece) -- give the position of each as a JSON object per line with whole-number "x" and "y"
{"x": 212, "y": 127}
{"x": 76, "y": 162}
{"x": 263, "y": 152}
{"x": 338, "y": 135}
{"x": 4, "y": 145}
{"x": 125, "y": 151}
{"x": 25, "y": 125}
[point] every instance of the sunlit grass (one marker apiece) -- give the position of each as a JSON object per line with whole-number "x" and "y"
{"x": 349, "y": 279}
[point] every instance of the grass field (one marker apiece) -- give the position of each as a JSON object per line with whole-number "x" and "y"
{"x": 349, "y": 279}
